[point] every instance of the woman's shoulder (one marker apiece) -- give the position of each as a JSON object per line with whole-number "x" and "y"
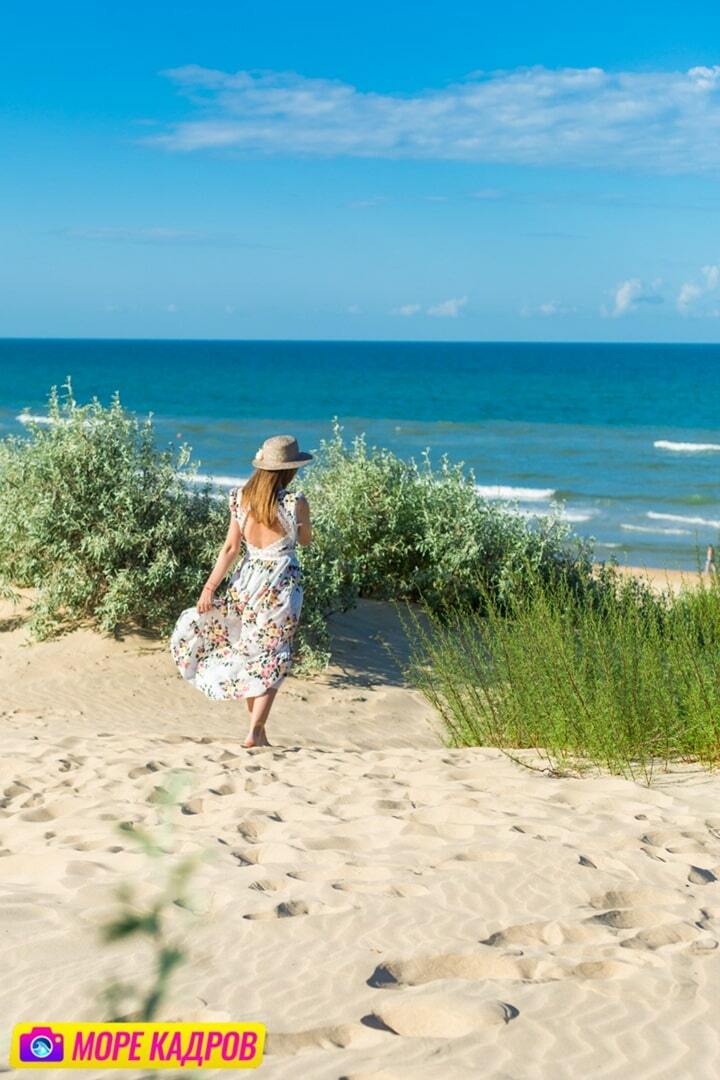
{"x": 235, "y": 500}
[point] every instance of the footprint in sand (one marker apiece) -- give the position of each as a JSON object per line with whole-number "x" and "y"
{"x": 546, "y": 933}
{"x": 284, "y": 910}
{"x": 658, "y": 937}
{"x": 700, "y": 876}
{"x": 251, "y": 831}
{"x": 40, "y": 813}
{"x": 629, "y": 918}
{"x": 481, "y": 966}
{"x": 15, "y": 789}
{"x": 223, "y": 789}
{"x": 637, "y": 897}
{"x": 149, "y": 767}
{"x": 33, "y": 800}
{"x": 440, "y": 1016}
{"x": 244, "y": 858}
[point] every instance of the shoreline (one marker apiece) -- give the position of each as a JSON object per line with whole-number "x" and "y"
{"x": 662, "y": 579}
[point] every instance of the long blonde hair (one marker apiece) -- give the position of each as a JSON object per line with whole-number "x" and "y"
{"x": 260, "y": 493}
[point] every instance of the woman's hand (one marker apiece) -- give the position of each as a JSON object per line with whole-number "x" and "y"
{"x": 206, "y": 598}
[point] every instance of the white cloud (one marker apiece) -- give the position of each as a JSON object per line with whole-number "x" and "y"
{"x": 406, "y": 309}
{"x": 666, "y": 121}
{"x": 691, "y": 291}
{"x": 628, "y": 294}
{"x": 548, "y": 309}
{"x": 448, "y": 309}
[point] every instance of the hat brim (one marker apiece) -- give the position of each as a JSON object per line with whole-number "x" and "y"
{"x": 301, "y": 460}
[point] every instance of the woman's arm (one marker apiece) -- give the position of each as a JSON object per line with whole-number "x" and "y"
{"x": 302, "y": 513}
{"x": 226, "y": 557}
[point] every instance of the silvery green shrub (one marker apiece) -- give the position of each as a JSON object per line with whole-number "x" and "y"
{"x": 395, "y": 529}
{"x": 97, "y": 518}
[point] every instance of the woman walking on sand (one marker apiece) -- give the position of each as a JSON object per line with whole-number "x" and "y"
{"x": 240, "y": 645}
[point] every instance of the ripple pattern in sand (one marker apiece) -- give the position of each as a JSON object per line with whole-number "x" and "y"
{"x": 388, "y": 914}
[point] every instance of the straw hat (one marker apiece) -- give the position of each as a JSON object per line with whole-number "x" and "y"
{"x": 280, "y": 452}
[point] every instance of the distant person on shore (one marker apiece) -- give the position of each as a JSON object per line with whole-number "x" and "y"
{"x": 240, "y": 645}
{"x": 709, "y": 567}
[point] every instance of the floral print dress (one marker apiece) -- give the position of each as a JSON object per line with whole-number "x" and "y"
{"x": 243, "y": 645}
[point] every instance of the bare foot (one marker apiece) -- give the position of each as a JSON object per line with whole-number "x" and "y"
{"x": 257, "y": 737}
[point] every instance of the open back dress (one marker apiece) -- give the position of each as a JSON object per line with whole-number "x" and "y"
{"x": 243, "y": 645}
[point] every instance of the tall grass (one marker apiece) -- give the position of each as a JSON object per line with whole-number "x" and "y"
{"x": 605, "y": 673}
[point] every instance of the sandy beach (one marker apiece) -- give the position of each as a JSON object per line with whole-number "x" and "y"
{"x": 390, "y": 908}
{"x": 667, "y": 580}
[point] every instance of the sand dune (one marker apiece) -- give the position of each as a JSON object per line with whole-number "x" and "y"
{"x": 391, "y": 909}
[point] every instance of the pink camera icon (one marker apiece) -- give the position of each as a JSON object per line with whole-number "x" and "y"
{"x": 41, "y": 1044}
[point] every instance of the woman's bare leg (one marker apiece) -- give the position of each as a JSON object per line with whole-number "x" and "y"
{"x": 259, "y": 712}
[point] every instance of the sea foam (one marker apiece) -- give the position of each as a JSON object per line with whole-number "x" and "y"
{"x": 685, "y": 447}
{"x": 500, "y": 491}
{"x": 655, "y": 529}
{"x": 685, "y": 519}
{"x": 29, "y": 418}
{"x": 221, "y": 481}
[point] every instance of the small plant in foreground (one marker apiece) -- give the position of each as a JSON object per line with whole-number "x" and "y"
{"x": 131, "y": 1001}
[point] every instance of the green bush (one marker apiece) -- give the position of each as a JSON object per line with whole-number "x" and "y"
{"x": 392, "y": 529}
{"x": 97, "y": 518}
{"x": 609, "y": 674}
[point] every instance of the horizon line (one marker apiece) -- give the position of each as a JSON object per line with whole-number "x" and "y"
{"x": 351, "y": 341}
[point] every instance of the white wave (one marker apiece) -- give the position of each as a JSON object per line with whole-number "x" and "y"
{"x": 29, "y": 418}
{"x": 607, "y": 545}
{"x": 222, "y": 481}
{"x": 572, "y": 516}
{"x": 656, "y": 530}
{"x": 501, "y": 491}
{"x": 578, "y": 515}
{"x": 685, "y": 447}
{"x": 684, "y": 519}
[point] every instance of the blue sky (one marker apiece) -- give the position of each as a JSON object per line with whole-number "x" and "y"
{"x": 454, "y": 171}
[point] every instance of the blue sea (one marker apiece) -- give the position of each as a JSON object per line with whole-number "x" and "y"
{"x": 626, "y": 438}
